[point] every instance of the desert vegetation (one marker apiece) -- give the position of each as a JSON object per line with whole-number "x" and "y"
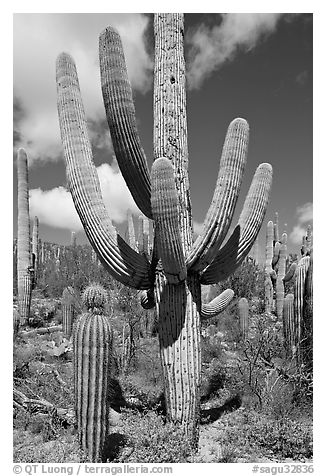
{"x": 157, "y": 347}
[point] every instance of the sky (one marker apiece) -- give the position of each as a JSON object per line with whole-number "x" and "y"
{"x": 253, "y": 65}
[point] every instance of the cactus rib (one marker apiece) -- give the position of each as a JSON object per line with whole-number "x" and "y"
{"x": 120, "y": 113}
{"x": 230, "y": 256}
{"x": 126, "y": 265}
{"x": 219, "y": 215}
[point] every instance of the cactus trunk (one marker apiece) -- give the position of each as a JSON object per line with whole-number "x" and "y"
{"x": 23, "y": 241}
{"x": 178, "y": 304}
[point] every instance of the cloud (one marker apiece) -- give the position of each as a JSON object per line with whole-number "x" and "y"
{"x": 38, "y": 39}
{"x": 55, "y": 207}
{"x": 210, "y": 47}
{"x": 304, "y": 215}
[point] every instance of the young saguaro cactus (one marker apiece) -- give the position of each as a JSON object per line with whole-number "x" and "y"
{"x": 35, "y": 248}
{"x": 92, "y": 344}
{"x": 68, "y": 306}
{"x": 24, "y": 263}
{"x": 243, "y": 309}
{"x": 177, "y": 267}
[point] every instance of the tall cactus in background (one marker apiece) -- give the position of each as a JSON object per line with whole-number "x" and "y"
{"x": 35, "y": 249}
{"x": 131, "y": 238}
{"x": 276, "y": 274}
{"x": 68, "y": 306}
{"x": 24, "y": 265}
{"x": 92, "y": 344}
{"x": 144, "y": 245}
{"x": 288, "y": 325}
{"x": 178, "y": 266}
{"x": 297, "y": 313}
{"x": 268, "y": 267}
{"x": 243, "y": 310}
{"x": 73, "y": 240}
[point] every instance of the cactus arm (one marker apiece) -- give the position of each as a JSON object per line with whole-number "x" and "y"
{"x": 269, "y": 246}
{"x": 217, "y": 305}
{"x": 276, "y": 253}
{"x": 166, "y": 218}
{"x": 290, "y": 273}
{"x": 231, "y": 255}
{"x": 147, "y": 299}
{"x": 219, "y": 215}
{"x": 120, "y": 113}
{"x": 122, "y": 262}
{"x": 35, "y": 248}
{"x": 276, "y": 229}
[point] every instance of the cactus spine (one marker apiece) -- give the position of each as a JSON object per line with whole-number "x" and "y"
{"x": 24, "y": 274}
{"x": 92, "y": 344}
{"x": 176, "y": 268}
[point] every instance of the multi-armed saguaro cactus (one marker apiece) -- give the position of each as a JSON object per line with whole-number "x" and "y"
{"x": 68, "y": 306}
{"x": 92, "y": 343}
{"x": 243, "y": 309}
{"x": 24, "y": 262}
{"x": 297, "y": 313}
{"x": 276, "y": 274}
{"x": 177, "y": 267}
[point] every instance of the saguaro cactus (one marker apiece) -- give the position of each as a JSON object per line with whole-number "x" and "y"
{"x": 276, "y": 274}
{"x": 177, "y": 266}
{"x": 92, "y": 343}
{"x": 243, "y": 309}
{"x": 68, "y": 306}
{"x": 35, "y": 249}
{"x": 24, "y": 265}
{"x": 289, "y": 325}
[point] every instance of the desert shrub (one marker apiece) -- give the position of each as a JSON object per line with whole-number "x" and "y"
{"x": 145, "y": 377}
{"x": 254, "y": 432}
{"x": 284, "y": 437}
{"x": 30, "y": 447}
{"x": 151, "y": 440}
{"x": 42, "y": 311}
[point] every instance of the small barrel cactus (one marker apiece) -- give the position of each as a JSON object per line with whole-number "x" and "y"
{"x": 95, "y": 298}
{"x": 92, "y": 340}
